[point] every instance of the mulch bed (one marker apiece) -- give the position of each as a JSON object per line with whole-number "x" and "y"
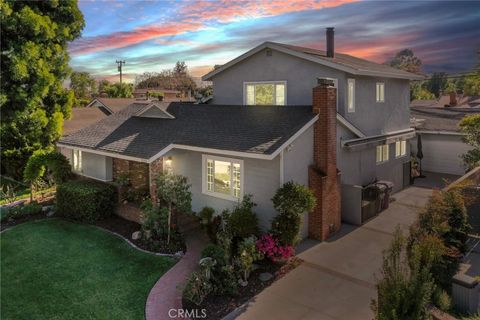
{"x": 126, "y": 228}
{"x": 13, "y": 222}
{"x": 217, "y": 307}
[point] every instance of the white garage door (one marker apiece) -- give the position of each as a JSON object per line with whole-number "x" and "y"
{"x": 441, "y": 153}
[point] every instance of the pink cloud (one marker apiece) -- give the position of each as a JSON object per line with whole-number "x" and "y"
{"x": 194, "y": 16}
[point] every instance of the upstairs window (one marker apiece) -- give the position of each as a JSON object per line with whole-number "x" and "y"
{"x": 382, "y": 153}
{"x": 400, "y": 148}
{"x": 351, "y": 95}
{"x": 222, "y": 177}
{"x": 77, "y": 160}
{"x": 380, "y": 92}
{"x": 265, "y": 93}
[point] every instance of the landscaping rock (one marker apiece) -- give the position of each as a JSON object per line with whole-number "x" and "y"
{"x": 265, "y": 276}
{"x": 50, "y": 213}
{"x": 136, "y": 235}
{"x": 242, "y": 283}
{"x": 46, "y": 209}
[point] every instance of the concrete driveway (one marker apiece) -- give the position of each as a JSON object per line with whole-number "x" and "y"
{"x": 337, "y": 279}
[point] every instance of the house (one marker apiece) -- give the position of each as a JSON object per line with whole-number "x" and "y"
{"x": 280, "y": 113}
{"x": 442, "y": 143}
{"x": 452, "y": 100}
{"x": 110, "y": 105}
{"x": 81, "y": 118}
{"x": 95, "y": 111}
{"x": 168, "y": 95}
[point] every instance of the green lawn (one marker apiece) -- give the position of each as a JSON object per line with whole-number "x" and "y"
{"x": 54, "y": 269}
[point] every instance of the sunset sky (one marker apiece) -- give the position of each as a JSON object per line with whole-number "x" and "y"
{"x": 153, "y": 35}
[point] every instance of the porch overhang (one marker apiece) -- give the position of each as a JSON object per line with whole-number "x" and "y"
{"x": 371, "y": 141}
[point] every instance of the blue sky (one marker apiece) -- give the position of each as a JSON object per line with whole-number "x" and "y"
{"x": 153, "y": 35}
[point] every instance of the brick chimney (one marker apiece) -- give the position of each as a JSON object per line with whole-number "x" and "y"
{"x": 453, "y": 99}
{"x": 324, "y": 178}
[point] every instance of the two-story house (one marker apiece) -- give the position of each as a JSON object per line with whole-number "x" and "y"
{"x": 330, "y": 121}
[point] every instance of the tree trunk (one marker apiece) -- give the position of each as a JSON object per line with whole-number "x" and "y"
{"x": 169, "y": 222}
{"x": 31, "y": 191}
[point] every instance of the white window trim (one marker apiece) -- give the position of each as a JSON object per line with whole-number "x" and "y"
{"x": 383, "y": 159}
{"x": 380, "y": 95}
{"x": 401, "y": 155}
{"x": 245, "y": 83}
{"x": 352, "y": 110}
{"x": 206, "y": 157}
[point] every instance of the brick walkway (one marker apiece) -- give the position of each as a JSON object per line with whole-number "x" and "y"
{"x": 166, "y": 294}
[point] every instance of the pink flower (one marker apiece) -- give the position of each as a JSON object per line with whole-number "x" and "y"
{"x": 271, "y": 248}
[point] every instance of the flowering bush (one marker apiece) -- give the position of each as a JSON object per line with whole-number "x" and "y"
{"x": 272, "y": 249}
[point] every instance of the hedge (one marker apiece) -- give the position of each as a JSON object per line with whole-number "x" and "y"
{"x": 85, "y": 200}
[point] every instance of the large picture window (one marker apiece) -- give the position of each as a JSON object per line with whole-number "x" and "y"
{"x": 222, "y": 177}
{"x": 265, "y": 93}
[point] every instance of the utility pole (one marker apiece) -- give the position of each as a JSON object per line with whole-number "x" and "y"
{"x": 120, "y": 63}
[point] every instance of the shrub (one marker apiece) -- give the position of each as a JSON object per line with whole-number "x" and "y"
{"x": 242, "y": 222}
{"x": 215, "y": 252}
{"x": 20, "y": 211}
{"x": 291, "y": 201}
{"x": 197, "y": 288}
{"x": 271, "y": 248}
{"x": 405, "y": 290}
{"x": 442, "y": 300}
{"x": 85, "y": 200}
{"x": 293, "y": 198}
{"x": 247, "y": 254}
{"x": 224, "y": 281}
{"x": 210, "y": 222}
{"x": 445, "y": 218}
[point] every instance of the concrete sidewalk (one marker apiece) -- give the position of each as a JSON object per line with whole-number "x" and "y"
{"x": 337, "y": 279}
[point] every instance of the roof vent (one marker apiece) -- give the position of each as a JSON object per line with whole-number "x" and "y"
{"x": 330, "y": 42}
{"x": 269, "y": 52}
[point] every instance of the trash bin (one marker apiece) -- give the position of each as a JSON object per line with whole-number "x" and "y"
{"x": 385, "y": 189}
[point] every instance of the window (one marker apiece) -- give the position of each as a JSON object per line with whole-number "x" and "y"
{"x": 223, "y": 177}
{"x": 380, "y": 92}
{"x": 351, "y": 95}
{"x": 382, "y": 153}
{"x": 265, "y": 93}
{"x": 400, "y": 148}
{"x": 77, "y": 160}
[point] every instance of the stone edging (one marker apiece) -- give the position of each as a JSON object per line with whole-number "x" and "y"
{"x": 176, "y": 256}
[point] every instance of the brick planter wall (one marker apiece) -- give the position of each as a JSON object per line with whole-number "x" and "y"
{"x": 324, "y": 178}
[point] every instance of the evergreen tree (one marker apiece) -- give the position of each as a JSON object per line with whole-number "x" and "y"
{"x": 34, "y": 64}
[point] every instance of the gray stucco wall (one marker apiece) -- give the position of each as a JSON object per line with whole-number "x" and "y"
{"x": 441, "y": 153}
{"x": 296, "y": 160}
{"x": 94, "y": 166}
{"x": 261, "y": 179}
{"x": 301, "y": 76}
{"x": 359, "y": 167}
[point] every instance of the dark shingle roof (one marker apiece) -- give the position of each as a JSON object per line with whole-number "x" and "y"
{"x": 439, "y": 119}
{"x": 256, "y": 130}
{"x": 81, "y": 118}
{"x": 348, "y": 61}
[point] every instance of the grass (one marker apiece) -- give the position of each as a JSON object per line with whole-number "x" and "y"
{"x": 54, "y": 269}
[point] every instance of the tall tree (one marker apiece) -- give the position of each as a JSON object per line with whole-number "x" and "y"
{"x": 82, "y": 84}
{"x": 437, "y": 83}
{"x": 176, "y": 79}
{"x": 34, "y": 63}
{"x": 406, "y": 60}
{"x": 470, "y": 127}
{"x": 119, "y": 90}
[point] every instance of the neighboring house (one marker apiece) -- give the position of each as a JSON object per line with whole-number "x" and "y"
{"x": 110, "y": 105}
{"x": 168, "y": 95}
{"x": 442, "y": 143}
{"x": 452, "y": 100}
{"x": 235, "y": 146}
{"x": 81, "y": 118}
